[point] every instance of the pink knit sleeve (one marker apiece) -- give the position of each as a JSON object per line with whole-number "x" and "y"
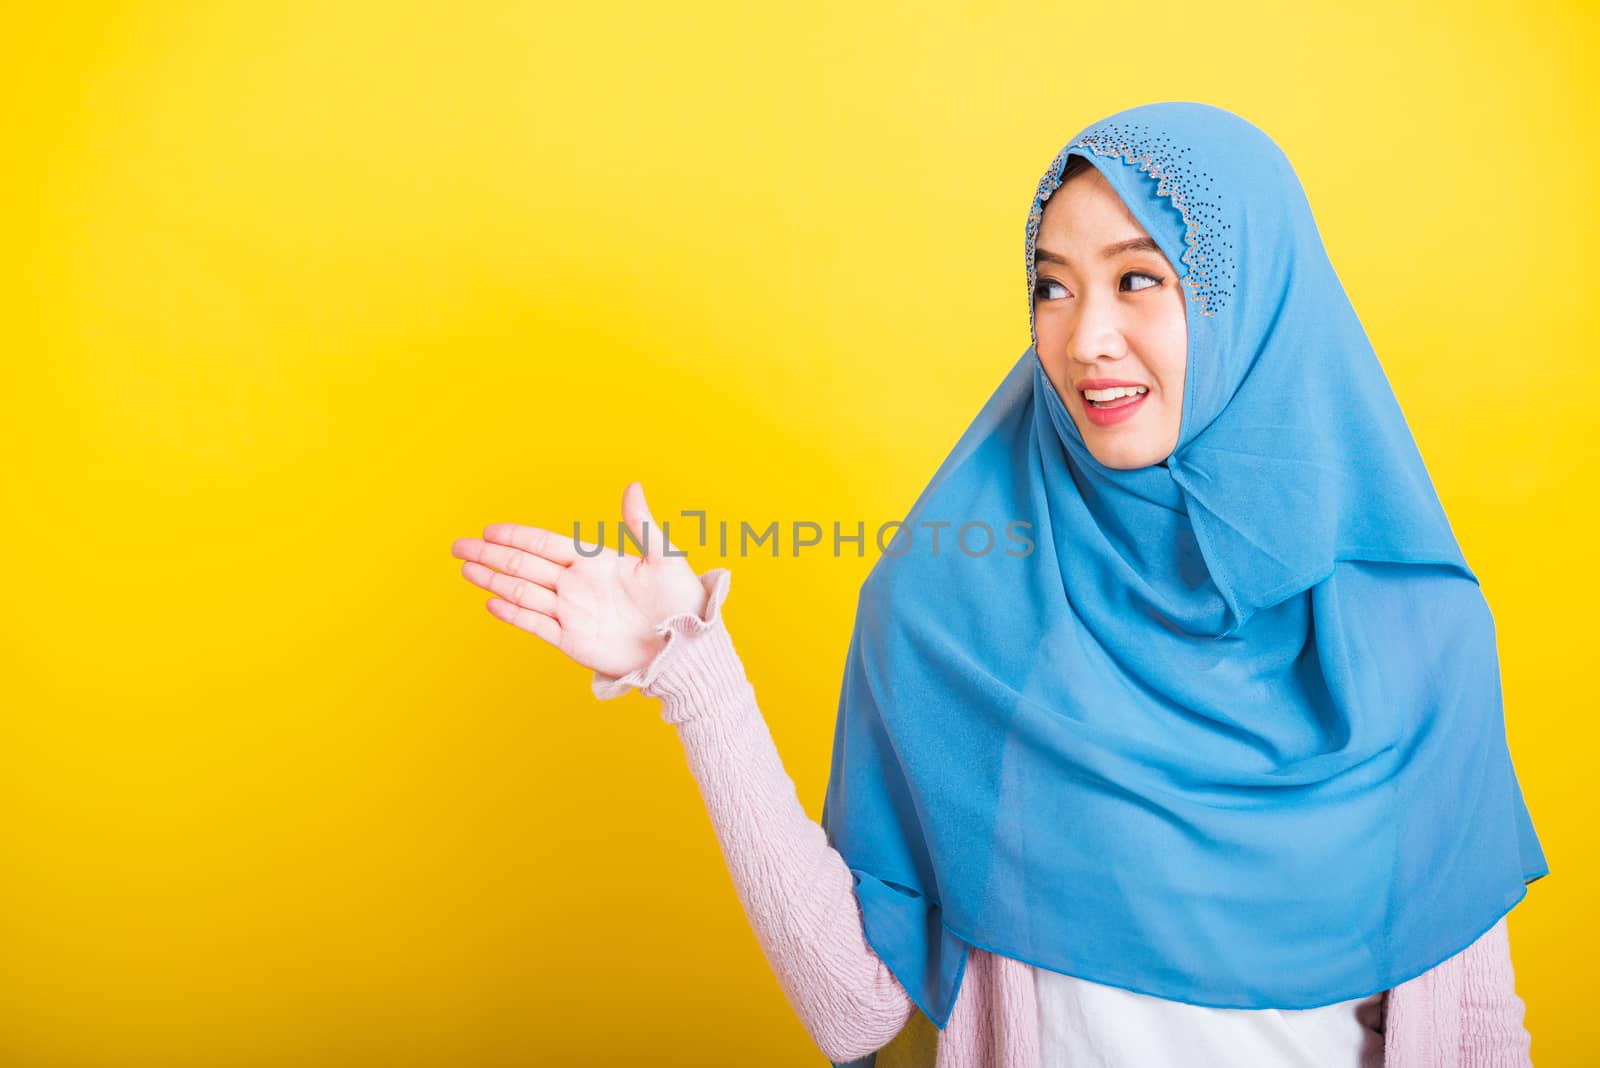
{"x": 796, "y": 890}
{"x": 1492, "y": 1031}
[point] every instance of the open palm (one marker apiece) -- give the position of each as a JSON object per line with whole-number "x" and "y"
{"x": 601, "y": 609}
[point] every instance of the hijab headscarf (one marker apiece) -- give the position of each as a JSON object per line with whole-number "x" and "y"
{"x": 1231, "y": 733}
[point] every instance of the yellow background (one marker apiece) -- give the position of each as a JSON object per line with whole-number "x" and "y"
{"x": 296, "y": 294}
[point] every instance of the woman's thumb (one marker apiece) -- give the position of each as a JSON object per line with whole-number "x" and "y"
{"x": 647, "y": 534}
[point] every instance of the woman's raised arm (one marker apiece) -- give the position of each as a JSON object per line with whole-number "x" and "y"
{"x": 795, "y": 888}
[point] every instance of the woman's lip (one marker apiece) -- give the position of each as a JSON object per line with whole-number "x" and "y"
{"x": 1111, "y": 416}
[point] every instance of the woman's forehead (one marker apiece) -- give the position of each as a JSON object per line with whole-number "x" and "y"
{"x": 1088, "y": 194}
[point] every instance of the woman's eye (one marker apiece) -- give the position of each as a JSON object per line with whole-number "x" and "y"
{"x": 1132, "y": 282}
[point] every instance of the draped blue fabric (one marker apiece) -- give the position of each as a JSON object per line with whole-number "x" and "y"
{"x": 1227, "y": 729}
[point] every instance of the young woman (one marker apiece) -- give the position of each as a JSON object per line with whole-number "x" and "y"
{"x": 1214, "y": 771}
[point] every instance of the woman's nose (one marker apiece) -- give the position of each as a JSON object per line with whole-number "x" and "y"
{"x": 1096, "y": 333}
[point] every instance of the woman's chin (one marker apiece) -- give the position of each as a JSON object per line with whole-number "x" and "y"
{"x": 1123, "y": 454}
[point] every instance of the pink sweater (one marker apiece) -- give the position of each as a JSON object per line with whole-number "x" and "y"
{"x": 799, "y": 896}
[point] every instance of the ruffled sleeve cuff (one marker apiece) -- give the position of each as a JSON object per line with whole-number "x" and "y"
{"x": 698, "y": 670}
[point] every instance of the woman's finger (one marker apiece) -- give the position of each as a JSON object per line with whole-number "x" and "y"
{"x": 557, "y": 548}
{"x": 509, "y": 561}
{"x": 636, "y": 514}
{"x": 518, "y": 591}
{"x": 535, "y": 623}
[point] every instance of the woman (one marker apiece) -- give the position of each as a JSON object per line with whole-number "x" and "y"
{"x": 1217, "y": 772}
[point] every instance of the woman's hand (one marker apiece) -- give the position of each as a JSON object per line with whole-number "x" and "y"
{"x": 600, "y": 610}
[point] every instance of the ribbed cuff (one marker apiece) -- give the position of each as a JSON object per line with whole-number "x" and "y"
{"x": 698, "y": 669}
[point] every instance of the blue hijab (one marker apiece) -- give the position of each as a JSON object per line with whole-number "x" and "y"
{"x": 1231, "y": 733}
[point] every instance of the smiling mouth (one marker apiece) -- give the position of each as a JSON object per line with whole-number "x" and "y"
{"x": 1105, "y": 403}
{"x": 1112, "y": 411}
{"x": 1120, "y": 402}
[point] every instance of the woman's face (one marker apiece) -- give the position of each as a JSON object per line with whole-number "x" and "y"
{"x": 1109, "y": 311}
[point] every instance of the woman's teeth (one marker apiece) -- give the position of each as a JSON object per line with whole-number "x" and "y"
{"x": 1113, "y": 397}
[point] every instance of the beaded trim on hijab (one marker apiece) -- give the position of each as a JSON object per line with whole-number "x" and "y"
{"x": 1208, "y": 255}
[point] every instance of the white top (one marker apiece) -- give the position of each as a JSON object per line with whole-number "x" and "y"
{"x": 1090, "y": 1025}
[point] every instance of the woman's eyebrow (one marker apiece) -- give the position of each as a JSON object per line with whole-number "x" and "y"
{"x": 1135, "y": 244}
